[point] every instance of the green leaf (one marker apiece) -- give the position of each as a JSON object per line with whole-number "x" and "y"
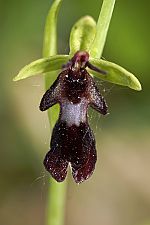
{"x": 82, "y": 34}
{"x": 50, "y": 34}
{"x": 115, "y": 74}
{"x": 102, "y": 28}
{"x": 44, "y": 65}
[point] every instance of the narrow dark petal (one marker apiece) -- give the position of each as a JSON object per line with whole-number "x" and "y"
{"x": 83, "y": 153}
{"x": 56, "y": 165}
{"x": 92, "y": 67}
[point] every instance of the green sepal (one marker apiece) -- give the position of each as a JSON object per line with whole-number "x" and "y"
{"x": 44, "y": 65}
{"x": 115, "y": 74}
{"x": 82, "y": 35}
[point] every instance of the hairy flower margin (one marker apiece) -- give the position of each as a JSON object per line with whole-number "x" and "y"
{"x": 82, "y": 38}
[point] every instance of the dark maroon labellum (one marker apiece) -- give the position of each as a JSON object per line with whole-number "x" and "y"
{"x": 72, "y": 139}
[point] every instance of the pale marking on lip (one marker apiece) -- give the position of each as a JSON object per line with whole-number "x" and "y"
{"x": 74, "y": 113}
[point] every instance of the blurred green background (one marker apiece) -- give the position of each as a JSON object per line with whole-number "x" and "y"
{"x": 118, "y": 193}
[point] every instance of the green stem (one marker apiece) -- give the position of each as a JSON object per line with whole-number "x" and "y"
{"x": 56, "y": 191}
{"x": 102, "y": 28}
{"x": 56, "y": 203}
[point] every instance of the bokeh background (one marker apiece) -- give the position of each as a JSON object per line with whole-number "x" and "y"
{"x": 118, "y": 193}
